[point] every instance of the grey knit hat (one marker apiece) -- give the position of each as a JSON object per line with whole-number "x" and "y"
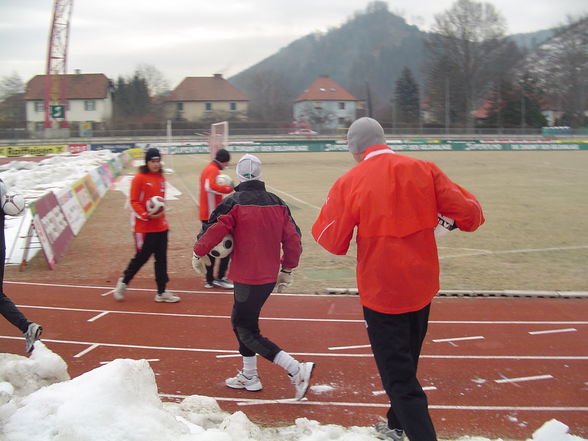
{"x": 248, "y": 168}
{"x": 363, "y": 133}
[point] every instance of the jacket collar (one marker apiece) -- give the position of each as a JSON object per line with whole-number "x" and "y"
{"x": 254, "y": 185}
{"x": 376, "y": 150}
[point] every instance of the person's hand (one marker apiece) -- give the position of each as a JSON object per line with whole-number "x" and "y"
{"x": 200, "y": 263}
{"x": 285, "y": 279}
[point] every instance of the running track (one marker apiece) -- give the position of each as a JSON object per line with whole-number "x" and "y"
{"x": 494, "y": 367}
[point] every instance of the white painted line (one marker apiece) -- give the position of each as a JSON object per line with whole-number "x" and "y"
{"x": 96, "y": 317}
{"x": 444, "y": 340}
{"x": 85, "y": 351}
{"x": 387, "y": 405}
{"x": 336, "y": 348}
{"x": 274, "y": 189}
{"x": 528, "y": 250}
{"x": 519, "y": 379}
{"x": 107, "y": 293}
{"x": 228, "y": 356}
{"x": 258, "y": 402}
{"x": 553, "y": 331}
{"x": 146, "y": 359}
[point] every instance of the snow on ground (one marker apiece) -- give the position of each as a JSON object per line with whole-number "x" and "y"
{"x": 119, "y": 402}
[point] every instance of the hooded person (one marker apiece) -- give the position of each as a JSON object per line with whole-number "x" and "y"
{"x": 266, "y": 248}
{"x": 393, "y": 201}
{"x": 150, "y": 230}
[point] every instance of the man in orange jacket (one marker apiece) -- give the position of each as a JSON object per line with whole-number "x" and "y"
{"x": 211, "y": 194}
{"x": 394, "y": 202}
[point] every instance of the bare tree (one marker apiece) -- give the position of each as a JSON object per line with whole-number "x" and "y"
{"x": 11, "y": 85}
{"x": 157, "y": 84}
{"x": 467, "y": 47}
{"x": 270, "y": 97}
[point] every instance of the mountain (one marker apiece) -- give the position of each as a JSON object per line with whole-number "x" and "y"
{"x": 371, "y": 48}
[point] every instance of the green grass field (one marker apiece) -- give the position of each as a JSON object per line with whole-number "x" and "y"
{"x": 535, "y": 203}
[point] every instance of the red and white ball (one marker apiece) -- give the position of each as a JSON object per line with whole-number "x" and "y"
{"x": 13, "y": 204}
{"x": 155, "y": 205}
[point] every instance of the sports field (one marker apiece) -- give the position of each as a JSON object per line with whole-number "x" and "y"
{"x": 535, "y": 236}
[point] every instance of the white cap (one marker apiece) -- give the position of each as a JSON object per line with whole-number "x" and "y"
{"x": 248, "y": 168}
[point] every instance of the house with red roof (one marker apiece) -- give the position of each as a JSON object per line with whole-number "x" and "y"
{"x": 89, "y": 99}
{"x": 206, "y": 98}
{"x": 326, "y": 105}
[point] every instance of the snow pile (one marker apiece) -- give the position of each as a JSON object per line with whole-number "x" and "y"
{"x": 119, "y": 402}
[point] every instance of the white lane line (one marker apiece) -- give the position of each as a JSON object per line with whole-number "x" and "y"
{"x": 278, "y": 401}
{"x": 85, "y": 351}
{"x": 96, "y": 317}
{"x": 520, "y": 379}
{"x": 445, "y": 340}
{"x": 313, "y": 354}
{"x": 107, "y": 293}
{"x": 337, "y": 348}
{"x": 224, "y": 317}
{"x": 552, "y": 331}
{"x": 146, "y": 359}
{"x": 387, "y": 405}
{"x": 528, "y": 250}
{"x": 228, "y": 356}
{"x": 274, "y": 189}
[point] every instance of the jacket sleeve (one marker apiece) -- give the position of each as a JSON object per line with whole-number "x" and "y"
{"x": 211, "y": 186}
{"x": 136, "y": 197}
{"x": 456, "y": 202}
{"x": 291, "y": 242}
{"x": 333, "y": 229}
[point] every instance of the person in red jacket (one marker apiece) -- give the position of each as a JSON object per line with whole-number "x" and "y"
{"x": 211, "y": 194}
{"x": 394, "y": 201}
{"x": 150, "y": 230}
{"x": 267, "y": 246}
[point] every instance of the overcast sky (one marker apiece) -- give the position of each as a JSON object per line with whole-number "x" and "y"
{"x": 199, "y": 38}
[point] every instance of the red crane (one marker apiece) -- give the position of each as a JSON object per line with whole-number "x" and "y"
{"x": 55, "y": 78}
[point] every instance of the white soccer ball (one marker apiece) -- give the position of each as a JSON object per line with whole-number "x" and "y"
{"x": 223, "y": 179}
{"x": 155, "y": 205}
{"x": 13, "y": 204}
{"x": 444, "y": 225}
{"x": 224, "y": 247}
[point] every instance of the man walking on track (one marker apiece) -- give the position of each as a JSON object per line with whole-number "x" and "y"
{"x": 31, "y": 331}
{"x": 394, "y": 202}
{"x": 262, "y": 229}
{"x": 211, "y": 194}
{"x": 150, "y": 230}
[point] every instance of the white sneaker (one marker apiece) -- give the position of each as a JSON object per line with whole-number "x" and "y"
{"x": 167, "y": 297}
{"x": 385, "y": 433}
{"x": 223, "y": 283}
{"x": 31, "y": 336}
{"x": 240, "y": 381}
{"x": 119, "y": 291}
{"x": 302, "y": 379}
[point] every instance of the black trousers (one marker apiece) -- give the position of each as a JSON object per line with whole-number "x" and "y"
{"x": 7, "y": 307}
{"x": 148, "y": 244}
{"x": 248, "y": 301}
{"x": 222, "y": 268}
{"x": 396, "y": 341}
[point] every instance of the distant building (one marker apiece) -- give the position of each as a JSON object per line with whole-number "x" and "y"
{"x": 206, "y": 99}
{"x": 326, "y": 105}
{"x": 89, "y": 101}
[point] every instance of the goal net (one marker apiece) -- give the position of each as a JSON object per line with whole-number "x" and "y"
{"x": 219, "y": 137}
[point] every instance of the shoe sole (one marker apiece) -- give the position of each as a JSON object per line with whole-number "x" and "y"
{"x": 166, "y": 300}
{"x": 255, "y": 389}
{"x": 307, "y": 382}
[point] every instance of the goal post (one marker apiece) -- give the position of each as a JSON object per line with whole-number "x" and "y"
{"x": 219, "y": 137}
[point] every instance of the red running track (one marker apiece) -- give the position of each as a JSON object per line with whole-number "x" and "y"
{"x": 492, "y": 367}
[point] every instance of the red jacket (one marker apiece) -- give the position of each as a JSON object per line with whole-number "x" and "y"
{"x": 210, "y": 192}
{"x": 393, "y": 200}
{"x": 265, "y": 235}
{"x": 143, "y": 187}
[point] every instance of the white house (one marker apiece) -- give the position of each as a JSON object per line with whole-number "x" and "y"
{"x": 89, "y": 100}
{"x": 326, "y": 105}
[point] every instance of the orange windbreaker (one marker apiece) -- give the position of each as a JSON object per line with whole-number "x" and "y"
{"x": 211, "y": 194}
{"x": 393, "y": 200}
{"x": 143, "y": 187}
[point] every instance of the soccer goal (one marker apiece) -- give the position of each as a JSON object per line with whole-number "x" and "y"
{"x": 219, "y": 137}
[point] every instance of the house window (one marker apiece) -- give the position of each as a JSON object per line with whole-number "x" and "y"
{"x": 208, "y": 107}
{"x": 341, "y": 106}
{"x": 89, "y": 105}
{"x": 341, "y": 121}
{"x": 180, "y": 107}
{"x": 39, "y": 106}
{"x": 318, "y": 105}
{"x": 233, "y": 107}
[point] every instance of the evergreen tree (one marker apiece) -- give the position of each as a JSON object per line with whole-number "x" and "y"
{"x": 407, "y": 98}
